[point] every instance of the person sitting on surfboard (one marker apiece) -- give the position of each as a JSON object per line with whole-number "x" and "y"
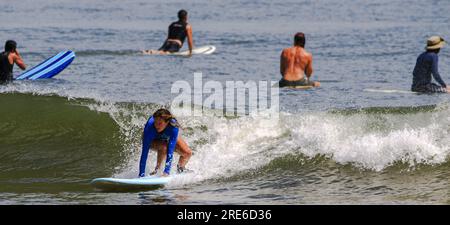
{"x": 295, "y": 62}
{"x": 427, "y": 65}
{"x": 7, "y": 60}
{"x": 178, "y": 31}
{"x": 161, "y": 134}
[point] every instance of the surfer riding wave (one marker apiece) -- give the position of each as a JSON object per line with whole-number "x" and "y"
{"x": 161, "y": 133}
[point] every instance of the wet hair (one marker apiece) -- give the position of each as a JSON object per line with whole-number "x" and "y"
{"x": 182, "y": 14}
{"x": 299, "y": 39}
{"x": 10, "y": 46}
{"x": 167, "y": 116}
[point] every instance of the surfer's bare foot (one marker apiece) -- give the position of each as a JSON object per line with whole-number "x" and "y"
{"x": 150, "y": 52}
{"x": 154, "y": 172}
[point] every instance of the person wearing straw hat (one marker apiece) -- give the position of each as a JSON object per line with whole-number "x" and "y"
{"x": 427, "y": 65}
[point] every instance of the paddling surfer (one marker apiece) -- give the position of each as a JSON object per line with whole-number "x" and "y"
{"x": 7, "y": 59}
{"x": 427, "y": 65}
{"x": 178, "y": 31}
{"x": 295, "y": 63}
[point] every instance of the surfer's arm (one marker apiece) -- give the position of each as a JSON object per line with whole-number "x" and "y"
{"x": 309, "y": 67}
{"x": 18, "y": 60}
{"x": 170, "y": 149}
{"x": 282, "y": 63}
{"x": 189, "y": 37}
{"x": 435, "y": 72}
{"x": 147, "y": 138}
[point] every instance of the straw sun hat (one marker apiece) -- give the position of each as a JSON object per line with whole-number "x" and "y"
{"x": 435, "y": 42}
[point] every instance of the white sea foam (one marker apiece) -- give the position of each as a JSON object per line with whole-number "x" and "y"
{"x": 231, "y": 146}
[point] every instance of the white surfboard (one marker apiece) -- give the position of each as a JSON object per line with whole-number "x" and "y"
{"x": 393, "y": 91}
{"x": 150, "y": 182}
{"x": 202, "y": 50}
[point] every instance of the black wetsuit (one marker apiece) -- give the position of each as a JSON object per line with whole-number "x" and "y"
{"x": 177, "y": 30}
{"x": 6, "y": 69}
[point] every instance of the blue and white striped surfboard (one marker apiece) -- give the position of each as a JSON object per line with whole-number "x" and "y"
{"x": 50, "y": 67}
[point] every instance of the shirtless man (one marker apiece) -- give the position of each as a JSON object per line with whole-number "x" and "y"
{"x": 295, "y": 63}
{"x": 178, "y": 31}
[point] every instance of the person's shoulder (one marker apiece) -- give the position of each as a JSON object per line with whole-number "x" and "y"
{"x": 172, "y": 130}
{"x": 431, "y": 55}
{"x": 434, "y": 55}
{"x": 286, "y": 50}
{"x": 307, "y": 54}
{"x": 173, "y": 124}
{"x": 13, "y": 56}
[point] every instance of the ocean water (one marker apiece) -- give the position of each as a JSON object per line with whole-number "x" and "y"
{"x": 337, "y": 144}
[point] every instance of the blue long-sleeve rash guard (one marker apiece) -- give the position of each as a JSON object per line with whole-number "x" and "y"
{"x": 170, "y": 134}
{"x": 426, "y": 65}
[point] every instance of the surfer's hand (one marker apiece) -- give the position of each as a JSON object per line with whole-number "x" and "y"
{"x": 17, "y": 52}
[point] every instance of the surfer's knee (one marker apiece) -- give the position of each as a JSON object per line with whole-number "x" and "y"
{"x": 163, "y": 149}
{"x": 188, "y": 152}
{"x": 184, "y": 151}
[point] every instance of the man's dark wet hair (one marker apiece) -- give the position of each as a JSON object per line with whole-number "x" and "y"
{"x": 182, "y": 14}
{"x": 10, "y": 46}
{"x": 299, "y": 39}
